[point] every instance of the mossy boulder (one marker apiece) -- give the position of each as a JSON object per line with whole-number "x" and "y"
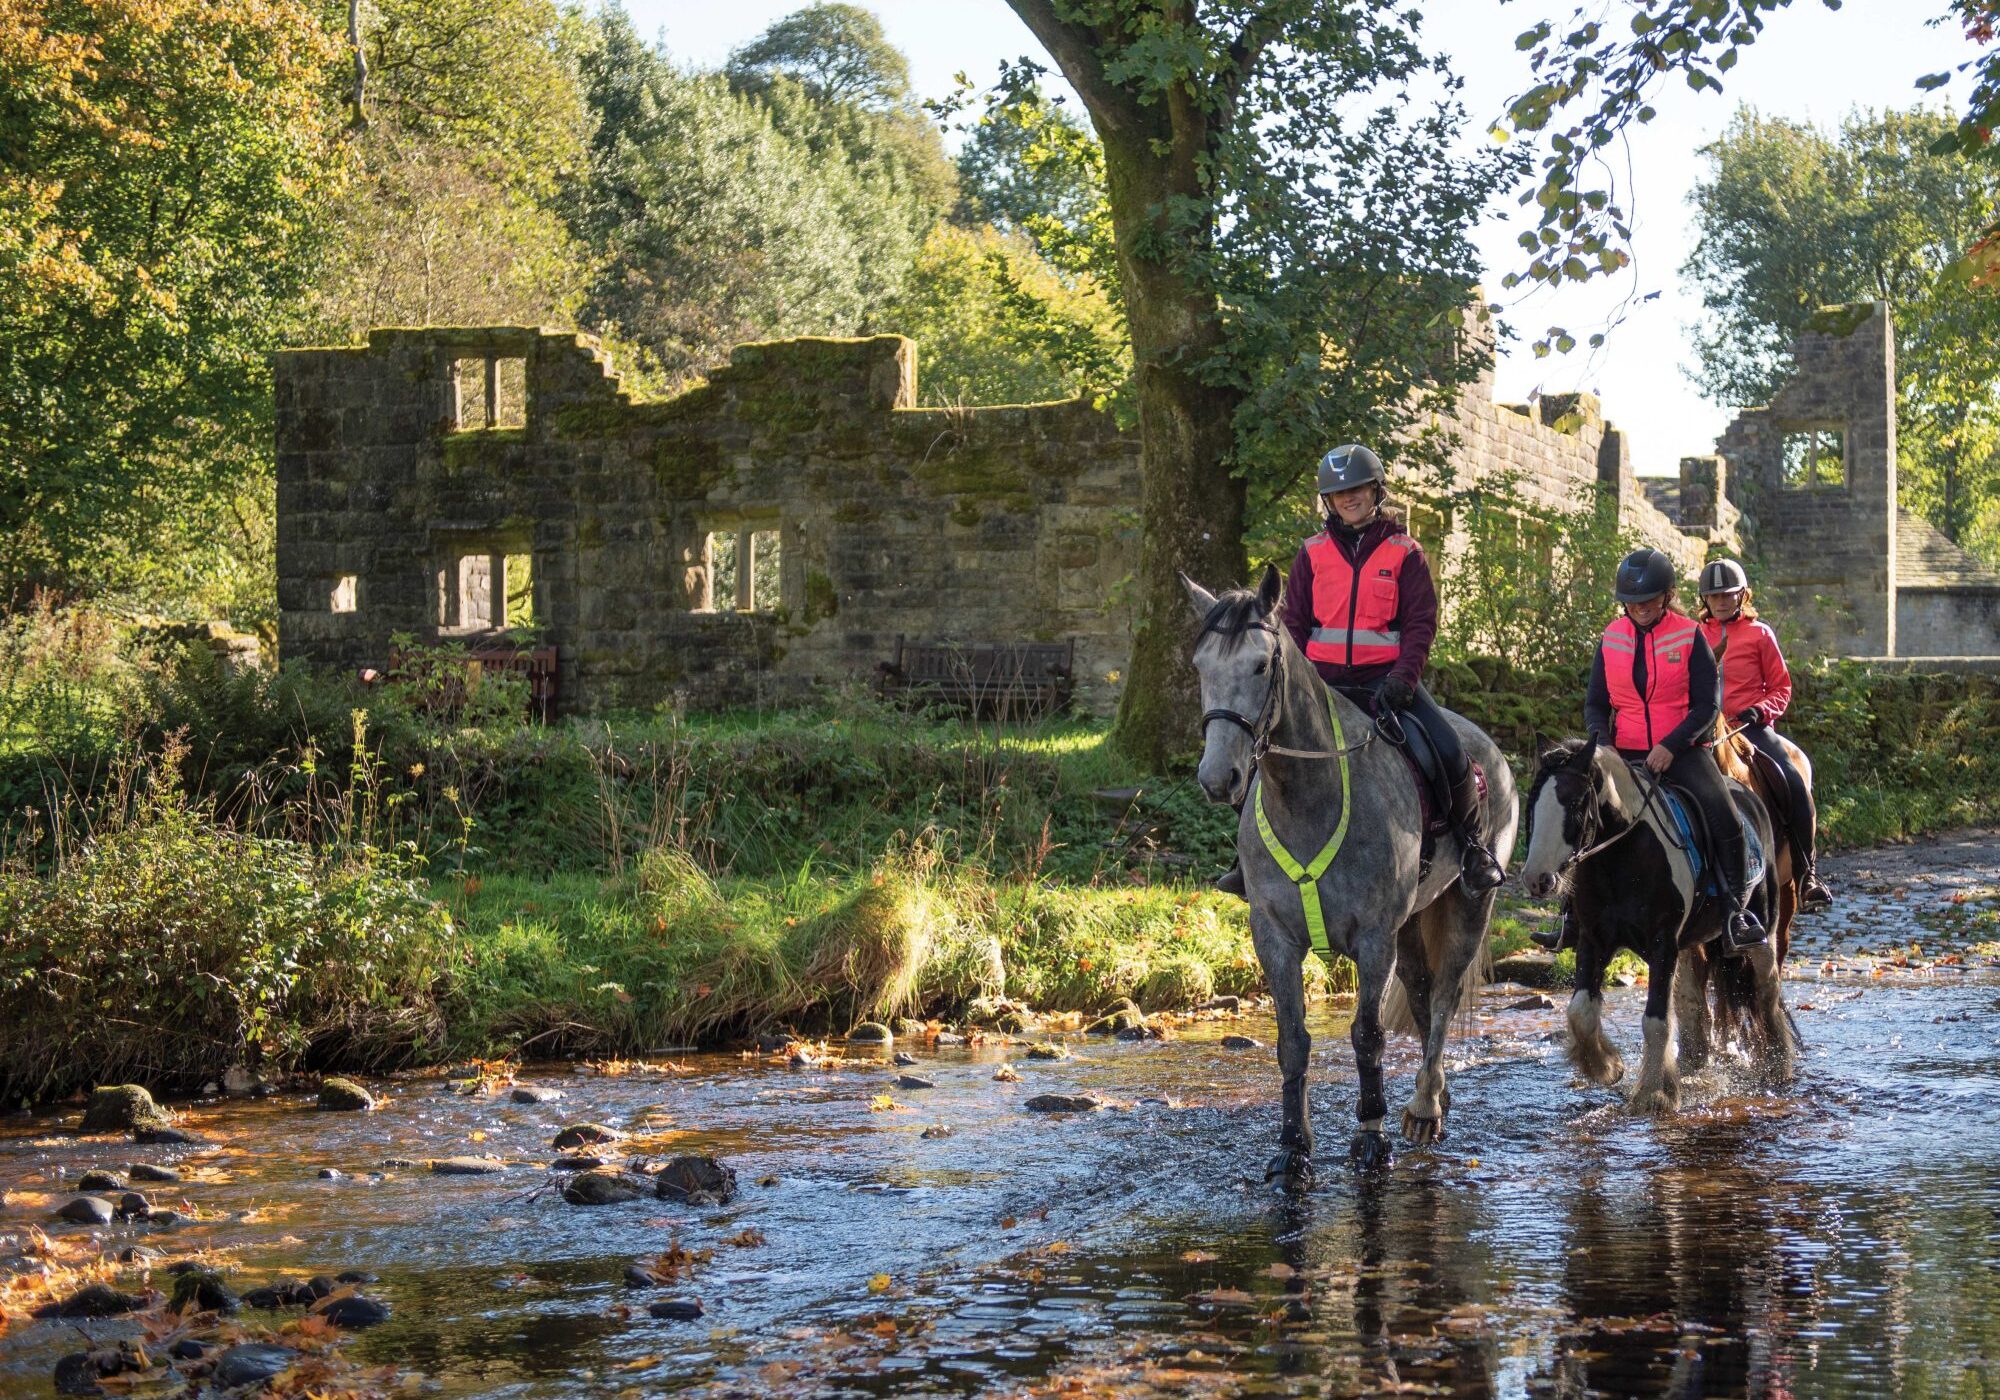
{"x": 122, "y": 1108}
{"x": 584, "y": 1135}
{"x": 337, "y": 1095}
{"x": 1123, "y": 1019}
{"x": 871, "y": 1033}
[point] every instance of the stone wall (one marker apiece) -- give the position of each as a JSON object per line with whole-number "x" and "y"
{"x": 974, "y": 525}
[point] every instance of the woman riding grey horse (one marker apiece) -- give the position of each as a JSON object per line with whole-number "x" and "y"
{"x": 1331, "y": 848}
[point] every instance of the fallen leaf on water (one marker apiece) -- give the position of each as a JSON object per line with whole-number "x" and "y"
{"x": 882, "y": 1103}
{"x": 1199, "y": 1256}
{"x": 641, "y": 1364}
{"x": 1008, "y": 1222}
{"x": 879, "y": 1284}
{"x": 1223, "y": 1298}
{"x": 1281, "y": 1270}
{"x": 1006, "y": 1075}
{"x": 748, "y": 1238}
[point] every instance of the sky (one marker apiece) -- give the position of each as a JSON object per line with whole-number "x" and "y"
{"x": 1811, "y": 64}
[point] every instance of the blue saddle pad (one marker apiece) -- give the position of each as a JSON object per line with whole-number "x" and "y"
{"x": 1704, "y": 868}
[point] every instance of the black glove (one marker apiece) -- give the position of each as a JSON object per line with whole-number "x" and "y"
{"x": 1395, "y": 693}
{"x": 1753, "y": 715}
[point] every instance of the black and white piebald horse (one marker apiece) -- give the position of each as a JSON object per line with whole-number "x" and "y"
{"x": 1600, "y": 828}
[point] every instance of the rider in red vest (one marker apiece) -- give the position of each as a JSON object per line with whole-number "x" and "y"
{"x": 1361, "y": 604}
{"x": 1756, "y": 690}
{"x": 1653, "y": 696}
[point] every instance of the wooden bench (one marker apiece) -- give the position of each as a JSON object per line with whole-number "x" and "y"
{"x": 999, "y": 680}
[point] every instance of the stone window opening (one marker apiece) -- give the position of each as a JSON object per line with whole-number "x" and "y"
{"x": 486, "y": 590}
{"x": 1815, "y": 459}
{"x": 342, "y": 597}
{"x": 740, "y": 570}
{"x": 490, "y": 391}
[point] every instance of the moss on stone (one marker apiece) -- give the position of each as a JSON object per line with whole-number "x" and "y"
{"x": 1843, "y": 320}
{"x": 976, "y": 474}
{"x": 688, "y": 468}
{"x": 856, "y": 512}
{"x": 470, "y": 447}
{"x": 821, "y": 599}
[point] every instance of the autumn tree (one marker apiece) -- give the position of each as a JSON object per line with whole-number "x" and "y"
{"x": 838, "y": 53}
{"x": 1290, "y": 238}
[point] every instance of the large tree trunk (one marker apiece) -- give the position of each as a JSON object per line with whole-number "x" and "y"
{"x": 1191, "y": 507}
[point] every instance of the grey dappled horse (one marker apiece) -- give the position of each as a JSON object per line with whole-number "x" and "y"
{"x": 1269, "y": 725}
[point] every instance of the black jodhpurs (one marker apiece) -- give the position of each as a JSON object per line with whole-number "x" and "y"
{"x": 1695, "y": 772}
{"x": 1804, "y": 818}
{"x": 1423, "y": 711}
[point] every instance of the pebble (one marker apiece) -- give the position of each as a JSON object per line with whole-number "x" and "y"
{"x": 1533, "y": 1003}
{"x": 88, "y": 1210}
{"x": 602, "y": 1189}
{"x": 1241, "y": 1042}
{"x": 636, "y": 1277}
{"x": 139, "y": 1254}
{"x": 467, "y": 1166}
{"x": 160, "y": 1215}
{"x": 354, "y": 1312}
{"x": 354, "y": 1276}
{"x": 913, "y": 1081}
{"x": 266, "y": 1297}
{"x": 190, "y": 1349}
{"x": 99, "y": 1181}
{"x": 677, "y": 1309}
{"x": 253, "y": 1363}
{"x": 534, "y": 1093}
{"x": 93, "y": 1300}
{"x": 584, "y": 1135}
{"x": 146, "y": 1171}
{"x": 1063, "y": 1103}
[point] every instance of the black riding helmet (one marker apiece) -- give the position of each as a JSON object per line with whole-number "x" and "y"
{"x": 1349, "y": 466}
{"x": 1645, "y": 573}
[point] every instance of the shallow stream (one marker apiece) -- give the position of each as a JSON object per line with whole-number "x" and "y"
{"x": 1838, "y": 1237}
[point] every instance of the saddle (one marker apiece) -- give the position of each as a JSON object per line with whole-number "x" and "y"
{"x": 1699, "y": 842}
{"x": 1775, "y": 783}
{"x": 1408, "y": 737}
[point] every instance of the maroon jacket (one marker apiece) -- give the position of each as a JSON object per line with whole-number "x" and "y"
{"x": 1416, "y": 604}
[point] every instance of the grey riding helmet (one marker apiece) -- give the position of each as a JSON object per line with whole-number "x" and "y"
{"x": 1349, "y": 466}
{"x": 1724, "y": 576}
{"x": 1644, "y": 573}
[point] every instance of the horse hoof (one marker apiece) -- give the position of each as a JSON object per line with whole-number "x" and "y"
{"x": 1422, "y": 1132}
{"x": 1371, "y": 1151}
{"x": 1292, "y": 1168}
{"x": 1653, "y": 1103}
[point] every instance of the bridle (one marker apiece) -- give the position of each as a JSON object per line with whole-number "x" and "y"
{"x": 1271, "y": 715}
{"x": 1649, "y": 786}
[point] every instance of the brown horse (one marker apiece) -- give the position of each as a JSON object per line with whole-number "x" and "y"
{"x": 1743, "y": 1007}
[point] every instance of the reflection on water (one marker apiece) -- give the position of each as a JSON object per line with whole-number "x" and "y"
{"x": 1838, "y": 1239}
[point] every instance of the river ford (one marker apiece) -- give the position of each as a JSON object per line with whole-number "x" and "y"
{"x": 1839, "y": 1237}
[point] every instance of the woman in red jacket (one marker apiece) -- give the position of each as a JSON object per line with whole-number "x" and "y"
{"x": 1756, "y": 690}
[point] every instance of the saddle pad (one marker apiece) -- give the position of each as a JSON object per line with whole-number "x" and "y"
{"x": 1702, "y": 862}
{"x": 1436, "y": 823}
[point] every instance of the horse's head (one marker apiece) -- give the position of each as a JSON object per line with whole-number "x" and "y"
{"x": 1236, "y": 656}
{"x": 1565, "y": 811}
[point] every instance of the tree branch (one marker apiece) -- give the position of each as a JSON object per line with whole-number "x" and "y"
{"x": 1244, "y": 51}
{"x": 359, "y": 122}
{"x": 1074, "y": 48}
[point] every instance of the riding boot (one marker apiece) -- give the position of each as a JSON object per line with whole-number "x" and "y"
{"x": 1478, "y": 871}
{"x": 1743, "y": 929}
{"x": 1813, "y": 893}
{"x": 1564, "y": 935}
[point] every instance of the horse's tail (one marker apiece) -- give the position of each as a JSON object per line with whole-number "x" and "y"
{"x": 1439, "y": 925}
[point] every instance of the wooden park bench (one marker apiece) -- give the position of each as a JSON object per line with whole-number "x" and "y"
{"x": 998, "y": 680}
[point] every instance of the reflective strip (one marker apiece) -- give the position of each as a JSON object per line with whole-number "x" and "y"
{"x": 1306, "y": 877}
{"x": 1618, "y": 644}
{"x": 1339, "y": 636}
{"x": 1667, "y": 639}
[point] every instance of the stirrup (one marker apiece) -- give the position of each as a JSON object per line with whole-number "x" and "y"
{"x": 1743, "y": 929}
{"x": 1478, "y": 870}
{"x": 1814, "y": 895}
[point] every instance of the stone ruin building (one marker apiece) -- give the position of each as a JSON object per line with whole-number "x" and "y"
{"x": 782, "y": 524}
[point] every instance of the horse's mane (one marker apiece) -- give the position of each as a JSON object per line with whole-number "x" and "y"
{"x": 1556, "y": 755}
{"x": 1235, "y": 612}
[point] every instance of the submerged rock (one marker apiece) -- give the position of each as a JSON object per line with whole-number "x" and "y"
{"x": 697, "y": 1181}
{"x": 88, "y": 1210}
{"x": 601, "y": 1189}
{"x": 1048, "y": 1050}
{"x": 163, "y": 1137}
{"x": 467, "y": 1166}
{"x": 160, "y": 1215}
{"x": 904, "y": 1057}
{"x": 253, "y": 1363}
{"x": 203, "y": 1291}
{"x": 93, "y": 1300}
{"x": 139, "y": 1254}
{"x": 80, "y": 1371}
{"x": 337, "y": 1095}
{"x": 329, "y": 1174}
{"x": 146, "y": 1171}
{"x": 913, "y": 1081}
{"x": 99, "y": 1181}
{"x": 353, "y": 1312}
{"x": 936, "y": 1130}
{"x": 119, "y": 1108}
{"x": 1063, "y": 1103}
{"x": 870, "y": 1033}
{"x": 584, "y": 1135}
{"x": 577, "y": 1162}
{"x": 1241, "y": 1042}
{"x": 677, "y": 1309}
{"x": 1112, "y": 1022}
{"x": 535, "y": 1093}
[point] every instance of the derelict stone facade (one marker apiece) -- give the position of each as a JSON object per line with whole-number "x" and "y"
{"x": 781, "y": 525}
{"x": 404, "y": 506}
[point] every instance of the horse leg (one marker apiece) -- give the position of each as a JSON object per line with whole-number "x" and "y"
{"x": 1453, "y": 928}
{"x": 1779, "y": 1055}
{"x": 1590, "y": 1050}
{"x": 1373, "y": 955}
{"x": 1691, "y": 1009}
{"x": 1659, "y": 1087}
{"x": 1413, "y": 973}
{"x": 1283, "y": 966}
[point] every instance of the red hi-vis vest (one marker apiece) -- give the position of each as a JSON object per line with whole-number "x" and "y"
{"x": 1354, "y": 608}
{"x": 1644, "y": 720}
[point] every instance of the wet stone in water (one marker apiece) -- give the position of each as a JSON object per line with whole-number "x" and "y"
{"x": 338, "y": 1095}
{"x": 205, "y": 1291}
{"x": 93, "y": 1300}
{"x": 1063, "y": 1103}
{"x": 146, "y": 1171}
{"x": 79, "y": 1372}
{"x": 190, "y": 1349}
{"x": 119, "y": 1108}
{"x": 164, "y": 1137}
{"x": 696, "y": 1180}
{"x": 1048, "y": 1050}
{"x": 677, "y": 1309}
{"x": 601, "y": 1189}
{"x": 139, "y": 1254}
{"x": 133, "y": 1204}
{"x": 467, "y": 1166}
{"x": 329, "y": 1174}
{"x": 534, "y": 1093}
{"x": 88, "y": 1210}
{"x": 159, "y": 1215}
{"x": 99, "y": 1181}
{"x": 914, "y": 1081}
{"x": 1241, "y": 1042}
{"x": 904, "y": 1057}
{"x": 936, "y": 1130}
{"x": 354, "y": 1312}
{"x": 870, "y": 1033}
{"x": 584, "y": 1135}
{"x": 253, "y": 1363}
{"x": 577, "y": 1162}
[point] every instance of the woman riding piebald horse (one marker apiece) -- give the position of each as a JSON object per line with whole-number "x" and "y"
{"x": 1756, "y": 690}
{"x": 1653, "y": 696}
{"x": 1361, "y": 604}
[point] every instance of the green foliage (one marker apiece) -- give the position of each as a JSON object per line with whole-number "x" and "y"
{"x": 1792, "y": 219}
{"x": 164, "y": 945}
{"x": 994, "y": 324}
{"x": 1028, "y": 167}
{"x": 838, "y": 53}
